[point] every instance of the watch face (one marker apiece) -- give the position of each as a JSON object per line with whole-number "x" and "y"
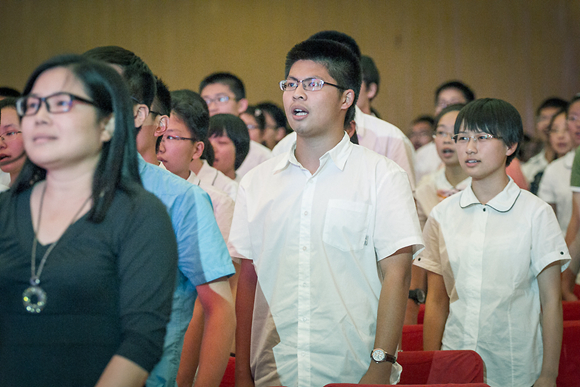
{"x": 378, "y": 355}
{"x": 421, "y": 296}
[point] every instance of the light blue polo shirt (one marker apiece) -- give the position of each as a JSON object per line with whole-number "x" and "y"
{"x": 203, "y": 257}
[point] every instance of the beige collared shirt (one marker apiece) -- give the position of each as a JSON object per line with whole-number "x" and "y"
{"x": 211, "y": 176}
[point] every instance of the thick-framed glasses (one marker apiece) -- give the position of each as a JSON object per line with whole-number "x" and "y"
{"x": 443, "y": 135}
{"x": 175, "y": 139}
{"x": 220, "y": 99}
{"x": 10, "y": 135}
{"x": 481, "y": 138}
{"x": 309, "y": 84}
{"x": 56, "y": 103}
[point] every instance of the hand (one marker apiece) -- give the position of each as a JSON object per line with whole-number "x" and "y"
{"x": 544, "y": 381}
{"x": 378, "y": 373}
{"x": 568, "y": 282}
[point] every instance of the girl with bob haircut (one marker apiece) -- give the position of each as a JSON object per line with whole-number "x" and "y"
{"x": 86, "y": 275}
{"x": 230, "y": 140}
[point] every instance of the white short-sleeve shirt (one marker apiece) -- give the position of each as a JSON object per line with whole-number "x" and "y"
{"x": 223, "y": 208}
{"x": 315, "y": 241}
{"x": 534, "y": 165}
{"x": 257, "y": 154}
{"x": 374, "y": 134}
{"x": 555, "y": 188}
{"x": 209, "y": 175}
{"x": 490, "y": 256}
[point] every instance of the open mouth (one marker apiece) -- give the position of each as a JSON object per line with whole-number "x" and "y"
{"x": 299, "y": 112}
{"x": 471, "y": 162}
{"x": 4, "y": 157}
{"x": 447, "y": 151}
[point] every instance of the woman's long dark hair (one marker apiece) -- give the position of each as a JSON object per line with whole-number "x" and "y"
{"x": 117, "y": 167}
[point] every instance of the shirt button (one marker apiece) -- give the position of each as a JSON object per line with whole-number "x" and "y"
{"x": 304, "y": 248}
{"x": 305, "y": 212}
{"x": 484, "y": 210}
{"x": 303, "y": 319}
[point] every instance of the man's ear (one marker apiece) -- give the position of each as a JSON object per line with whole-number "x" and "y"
{"x": 347, "y": 99}
{"x": 372, "y": 91}
{"x": 351, "y": 129}
{"x": 198, "y": 150}
{"x": 511, "y": 149}
{"x": 161, "y": 126}
{"x": 242, "y": 105}
{"x": 140, "y": 113}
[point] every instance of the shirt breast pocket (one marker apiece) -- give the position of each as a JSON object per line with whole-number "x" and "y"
{"x": 346, "y": 224}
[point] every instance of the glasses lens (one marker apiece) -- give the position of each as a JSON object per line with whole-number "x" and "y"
{"x": 29, "y": 105}
{"x": 59, "y": 103}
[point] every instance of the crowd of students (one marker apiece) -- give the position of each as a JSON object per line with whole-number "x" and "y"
{"x": 136, "y": 217}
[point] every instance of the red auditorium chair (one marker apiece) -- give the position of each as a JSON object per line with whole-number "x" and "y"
{"x": 421, "y": 314}
{"x": 440, "y": 367}
{"x": 229, "y": 379}
{"x": 571, "y": 310}
{"x": 412, "y": 338}
{"x": 569, "y": 370}
{"x": 409, "y": 385}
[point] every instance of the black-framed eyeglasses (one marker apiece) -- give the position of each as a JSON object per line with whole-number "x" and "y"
{"x": 309, "y": 84}
{"x": 174, "y": 138}
{"x": 56, "y": 103}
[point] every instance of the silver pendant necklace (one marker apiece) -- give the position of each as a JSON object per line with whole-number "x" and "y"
{"x": 34, "y": 297}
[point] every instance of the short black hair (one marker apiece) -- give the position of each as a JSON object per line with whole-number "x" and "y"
{"x": 237, "y": 131}
{"x": 424, "y": 118}
{"x": 496, "y": 117}
{"x": 468, "y": 94}
{"x": 574, "y": 99}
{"x": 162, "y": 101}
{"x": 117, "y": 167}
{"x": 190, "y": 108}
{"x": 451, "y": 108}
{"x": 552, "y": 102}
{"x": 136, "y": 73}
{"x": 275, "y": 111}
{"x": 339, "y": 37}
{"x": 342, "y": 65}
{"x": 230, "y": 80}
{"x": 9, "y": 92}
{"x": 258, "y": 115}
{"x": 370, "y": 72}
{"x": 8, "y": 102}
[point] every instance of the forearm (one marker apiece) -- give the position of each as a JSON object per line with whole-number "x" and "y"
{"x": 191, "y": 347}
{"x": 122, "y": 372}
{"x": 391, "y": 312}
{"x": 418, "y": 281}
{"x": 218, "y": 333}
{"x": 436, "y": 312}
{"x": 549, "y": 285}
{"x": 244, "y": 314}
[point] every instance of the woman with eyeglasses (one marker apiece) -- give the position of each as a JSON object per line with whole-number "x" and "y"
{"x": 87, "y": 256}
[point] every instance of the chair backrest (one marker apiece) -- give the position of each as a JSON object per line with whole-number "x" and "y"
{"x": 421, "y": 314}
{"x": 412, "y": 339}
{"x": 571, "y": 310}
{"x": 569, "y": 370}
{"x": 229, "y": 379}
{"x": 409, "y": 385}
{"x": 440, "y": 367}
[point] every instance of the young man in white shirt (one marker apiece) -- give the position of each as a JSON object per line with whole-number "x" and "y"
{"x": 325, "y": 232}
{"x": 225, "y": 93}
{"x": 494, "y": 254}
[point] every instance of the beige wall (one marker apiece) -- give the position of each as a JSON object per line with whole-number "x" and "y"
{"x": 518, "y": 50}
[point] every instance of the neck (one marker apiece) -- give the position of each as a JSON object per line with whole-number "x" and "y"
{"x": 455, "y": 174}
{"x": 149, "y": 156}
{"x": 231, "y": 174}
{"x": 13, "y": 177}
{"x": 549, "y": 153}
{"x": 365, "y": 107}
{"x": 195, "y": 165}
{"x": 184, "y": 174}
{"x": 146, "y": 145}
{"x": 310, "y": 150}
{"x": 489, "y": 187}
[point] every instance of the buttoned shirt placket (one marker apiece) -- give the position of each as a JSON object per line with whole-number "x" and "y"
{"x": 304, "y": 280}
{"x": 470, "y": 270}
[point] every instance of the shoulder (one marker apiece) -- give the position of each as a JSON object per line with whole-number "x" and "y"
{"x": 260, "y": 149}
{"x": 381, "y": 127}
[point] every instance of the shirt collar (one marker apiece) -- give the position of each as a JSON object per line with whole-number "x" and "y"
{"x": 569, "y": 158}
{"x": 359, "y": 117}
{"x": 339, "y": 154}
{"x": 502, "y": 202}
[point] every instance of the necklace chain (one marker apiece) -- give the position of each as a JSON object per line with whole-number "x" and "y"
{"x": 35, "y": 276}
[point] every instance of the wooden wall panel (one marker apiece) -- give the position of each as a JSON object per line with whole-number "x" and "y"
{"x": 518, "y": 50}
